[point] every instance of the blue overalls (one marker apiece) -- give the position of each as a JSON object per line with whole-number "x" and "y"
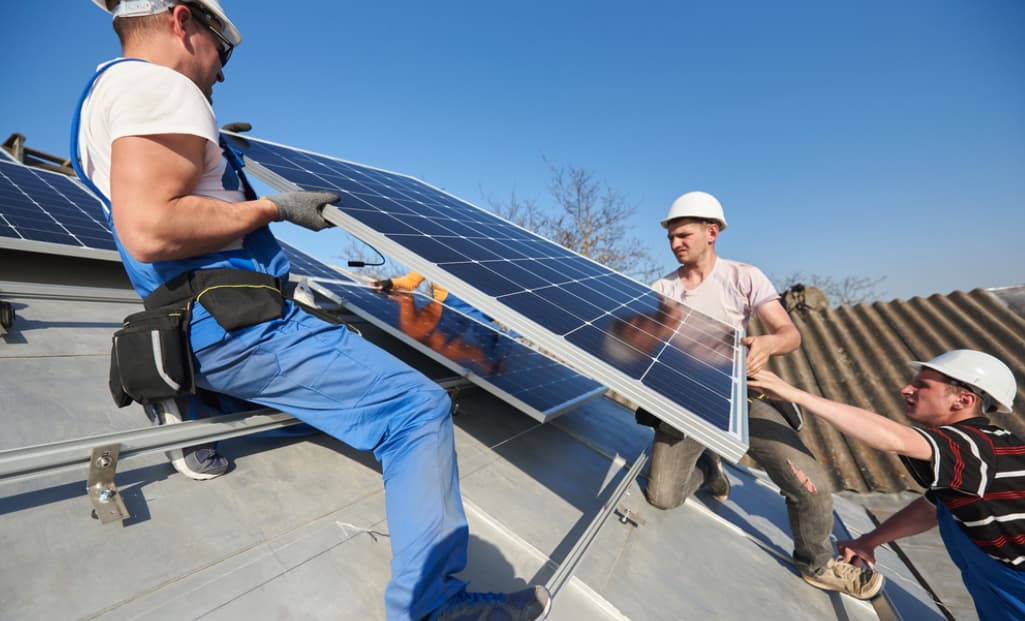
{"x": 997, "y": 590}
{"x": 332, "y": 379}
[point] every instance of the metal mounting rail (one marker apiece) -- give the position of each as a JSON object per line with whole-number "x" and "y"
{"x": 43, "y": 459}
{"x": 16, "y": 289}
{"x": 569, "y": 564}
{"x": 32, "y": 461}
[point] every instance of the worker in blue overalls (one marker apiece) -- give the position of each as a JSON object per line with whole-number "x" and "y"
{"x": 191, "y": 239}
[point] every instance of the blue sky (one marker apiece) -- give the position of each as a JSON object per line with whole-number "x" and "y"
{"x": 866, "y": 138}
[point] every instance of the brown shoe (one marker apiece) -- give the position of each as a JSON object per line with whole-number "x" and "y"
{"x": 858, "y": 582}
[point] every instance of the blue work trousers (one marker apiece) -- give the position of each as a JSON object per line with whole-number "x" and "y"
{"x": 334, "y": 380}
{"x": 997, "y": 590}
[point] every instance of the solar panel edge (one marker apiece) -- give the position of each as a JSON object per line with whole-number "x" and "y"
{"x": 42, "y": 247}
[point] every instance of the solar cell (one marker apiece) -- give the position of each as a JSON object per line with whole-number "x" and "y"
{"x": 681, "y": 365}
{"x": 49, "y": 212}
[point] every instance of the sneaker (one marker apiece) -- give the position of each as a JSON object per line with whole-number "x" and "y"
{"x": 716, "y": 481}
{"x": 526, "y": 605}
{"x": 858, "y": 582}
{"x": 200, "y": 462}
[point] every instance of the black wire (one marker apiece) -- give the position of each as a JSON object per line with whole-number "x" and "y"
{"x": 364, "y": 264}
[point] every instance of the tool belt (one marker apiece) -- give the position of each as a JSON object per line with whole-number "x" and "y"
{"x": 151, "y": 358}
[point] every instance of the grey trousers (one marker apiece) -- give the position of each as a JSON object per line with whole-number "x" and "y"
{"x": 802, "y": 480}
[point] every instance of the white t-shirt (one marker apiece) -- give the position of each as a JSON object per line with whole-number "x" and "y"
{"x": 732, "y": 292}
{"x": 142, "y": 99}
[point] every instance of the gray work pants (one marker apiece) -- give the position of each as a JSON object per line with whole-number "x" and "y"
{"x": 802, "y": 480}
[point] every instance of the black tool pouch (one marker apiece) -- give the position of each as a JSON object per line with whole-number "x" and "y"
{"x": 240, "y": 306}
{"x": 151, "y": 359}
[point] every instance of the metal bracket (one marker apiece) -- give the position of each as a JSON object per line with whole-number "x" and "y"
{"x": 108, "y": 506}
{"x": 626, "y": 516}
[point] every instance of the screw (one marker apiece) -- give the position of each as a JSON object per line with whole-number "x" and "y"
{"x": 107, "y": 495}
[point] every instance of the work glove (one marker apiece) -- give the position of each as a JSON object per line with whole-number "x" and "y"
{"x": 384, "y": 286}
{"x": 304, "y": 208}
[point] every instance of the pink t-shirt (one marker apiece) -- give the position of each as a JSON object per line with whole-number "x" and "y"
{"x": 731, "y": 293}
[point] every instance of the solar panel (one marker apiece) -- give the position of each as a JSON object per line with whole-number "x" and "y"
{"x": 683, "y": 366}
{"x": 44, "y": 211}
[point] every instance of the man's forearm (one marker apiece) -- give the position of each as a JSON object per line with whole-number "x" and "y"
{"x": 190, "y": 226}
{"x": 784, "y": 340}
{"x": 917, "y": 517}
{"x": 874, "y": 430}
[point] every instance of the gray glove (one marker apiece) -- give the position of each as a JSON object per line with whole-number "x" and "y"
{"x": 304, "y": 208}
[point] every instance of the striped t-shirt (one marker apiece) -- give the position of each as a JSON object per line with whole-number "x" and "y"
{"x": 978, "y": 472}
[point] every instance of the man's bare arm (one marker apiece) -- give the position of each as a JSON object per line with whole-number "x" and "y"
{"x": 782, "y": 336}
{"x": 874, "y": 430}
{"x": 157, "y": 216}
{"x": 917, "y": 517}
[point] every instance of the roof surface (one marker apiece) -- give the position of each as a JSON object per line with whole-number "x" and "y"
{"x": 858, "y": 354}
{"x": 297, "y": 529}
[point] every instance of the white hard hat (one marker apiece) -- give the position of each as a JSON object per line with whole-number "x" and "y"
{"x": 137, "y": 8}
{"x": 696, "y": 205}
{"x": 977, "y": 370}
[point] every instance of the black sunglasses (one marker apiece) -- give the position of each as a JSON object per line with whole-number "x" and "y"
{"x": 208, "y": 20}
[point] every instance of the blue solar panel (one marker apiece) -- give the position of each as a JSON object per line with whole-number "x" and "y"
{"x": 40, "y": 208}
{"x": 685, "y": 367}
{"x": 484, "y": 354}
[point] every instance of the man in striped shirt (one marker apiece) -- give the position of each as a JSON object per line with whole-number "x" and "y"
{"x": 974, "y": 471}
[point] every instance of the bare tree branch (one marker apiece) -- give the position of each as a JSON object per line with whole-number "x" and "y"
{"x": 587, "y": 217}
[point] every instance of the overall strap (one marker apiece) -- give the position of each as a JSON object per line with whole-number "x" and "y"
{"x": 76, "y": 121}
{"x": 235, "y": 161}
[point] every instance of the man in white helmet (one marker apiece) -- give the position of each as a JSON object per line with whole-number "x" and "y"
{"x": 732, "y": 292}
{"x": 195, "y": 242}
{"x": 973, "y": 470}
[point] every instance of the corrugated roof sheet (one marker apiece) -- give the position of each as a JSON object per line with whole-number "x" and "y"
{"x": 858, "y": 354}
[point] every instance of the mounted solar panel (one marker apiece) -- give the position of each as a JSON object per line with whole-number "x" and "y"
{"x": 683, "y": 366}
{"x": 48, "y": 212}
{"x": 485, "y": 355}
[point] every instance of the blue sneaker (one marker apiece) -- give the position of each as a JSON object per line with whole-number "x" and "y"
{"x": 201, "y": 462}
{"x": 526, "y": 605}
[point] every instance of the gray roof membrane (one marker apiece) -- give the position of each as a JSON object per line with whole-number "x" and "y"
{"x": 297, "y": 529}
